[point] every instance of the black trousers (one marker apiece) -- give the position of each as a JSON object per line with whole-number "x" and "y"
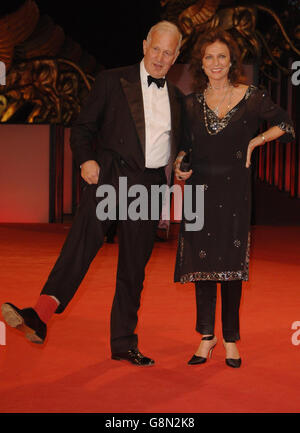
{"x": 85, "y": 238}
{"x": 206, "y": 296}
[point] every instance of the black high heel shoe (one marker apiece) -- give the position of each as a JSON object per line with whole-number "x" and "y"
{"x": 200, "y": 359}
{"x": 232, "y": 362}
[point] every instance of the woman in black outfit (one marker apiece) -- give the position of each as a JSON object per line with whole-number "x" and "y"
{"x": 222, "y": 120}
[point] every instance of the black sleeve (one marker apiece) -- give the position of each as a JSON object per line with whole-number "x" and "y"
{"x": 274, "y": 115}
{"x": 84, "y": 129}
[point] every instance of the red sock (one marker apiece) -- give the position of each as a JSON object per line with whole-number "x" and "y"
{"x": 45, "y": 307}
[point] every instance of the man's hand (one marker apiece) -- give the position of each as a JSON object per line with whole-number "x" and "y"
{"x": 90, "y": 171}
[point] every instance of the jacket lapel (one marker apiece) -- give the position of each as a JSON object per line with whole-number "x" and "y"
{"x": 133, "y": 92}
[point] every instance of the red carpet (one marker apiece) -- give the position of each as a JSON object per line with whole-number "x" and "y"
{"x": 72, "y": 371}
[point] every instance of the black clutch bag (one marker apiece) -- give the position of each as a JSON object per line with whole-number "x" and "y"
{"x": 186, "y": 162}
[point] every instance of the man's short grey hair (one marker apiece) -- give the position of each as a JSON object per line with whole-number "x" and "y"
{"x": 166, "y": 26}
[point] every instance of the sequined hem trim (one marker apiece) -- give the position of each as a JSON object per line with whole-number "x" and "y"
{"x": 286, "y": 127}
{"x": 215, "y": 276}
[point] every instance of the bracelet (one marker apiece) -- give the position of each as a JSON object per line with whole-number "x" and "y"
{"x": 263, "y": 137}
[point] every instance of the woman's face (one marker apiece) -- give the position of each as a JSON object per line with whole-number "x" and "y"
{"x": 216, "y": 61}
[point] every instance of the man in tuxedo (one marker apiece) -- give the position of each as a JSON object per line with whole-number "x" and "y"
{"x": 129, "y": 127}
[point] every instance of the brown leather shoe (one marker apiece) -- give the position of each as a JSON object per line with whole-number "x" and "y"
{"x": 26, "y": 321}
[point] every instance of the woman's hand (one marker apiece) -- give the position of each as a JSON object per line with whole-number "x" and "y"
{"x": 181, "y": 175}
{"x": 256, "y": 141}
{"x": 249, "y": 153}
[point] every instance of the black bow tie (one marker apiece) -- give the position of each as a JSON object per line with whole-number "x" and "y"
{"x": 160, "y": 82}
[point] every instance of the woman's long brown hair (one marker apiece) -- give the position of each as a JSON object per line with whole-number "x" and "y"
{"x": 235, "y": 74}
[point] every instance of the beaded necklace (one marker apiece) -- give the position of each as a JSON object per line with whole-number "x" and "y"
{"x": 212, "y": 123}
{"x": 216, "y": 109}
{"x": 217, "y": 124}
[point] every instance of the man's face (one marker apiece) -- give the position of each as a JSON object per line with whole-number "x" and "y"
{"x": 160, "y": 53}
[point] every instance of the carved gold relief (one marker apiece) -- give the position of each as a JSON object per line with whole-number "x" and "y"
{"x": 43, "y": 91}
{"x": 197, "y": 17}
{"x": 47, "y": 74}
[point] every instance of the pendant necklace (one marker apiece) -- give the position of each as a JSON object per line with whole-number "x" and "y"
{"x": 216, "y": 109}
{"x": 216, "y": 124}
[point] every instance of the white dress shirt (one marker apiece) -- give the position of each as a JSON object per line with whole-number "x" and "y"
{"x": 157, "y": 122}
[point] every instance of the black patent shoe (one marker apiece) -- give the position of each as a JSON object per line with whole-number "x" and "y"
{"x": 195, "y": 360}
{"x": 26, "y": 321}
{"x": 134, "y": 356}
{"x": 232, "y": 362}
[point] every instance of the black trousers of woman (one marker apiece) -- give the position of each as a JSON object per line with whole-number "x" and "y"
{"x": 206, "y": 296}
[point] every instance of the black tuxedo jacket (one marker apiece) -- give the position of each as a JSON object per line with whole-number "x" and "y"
{"x": 111, "y": 127}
